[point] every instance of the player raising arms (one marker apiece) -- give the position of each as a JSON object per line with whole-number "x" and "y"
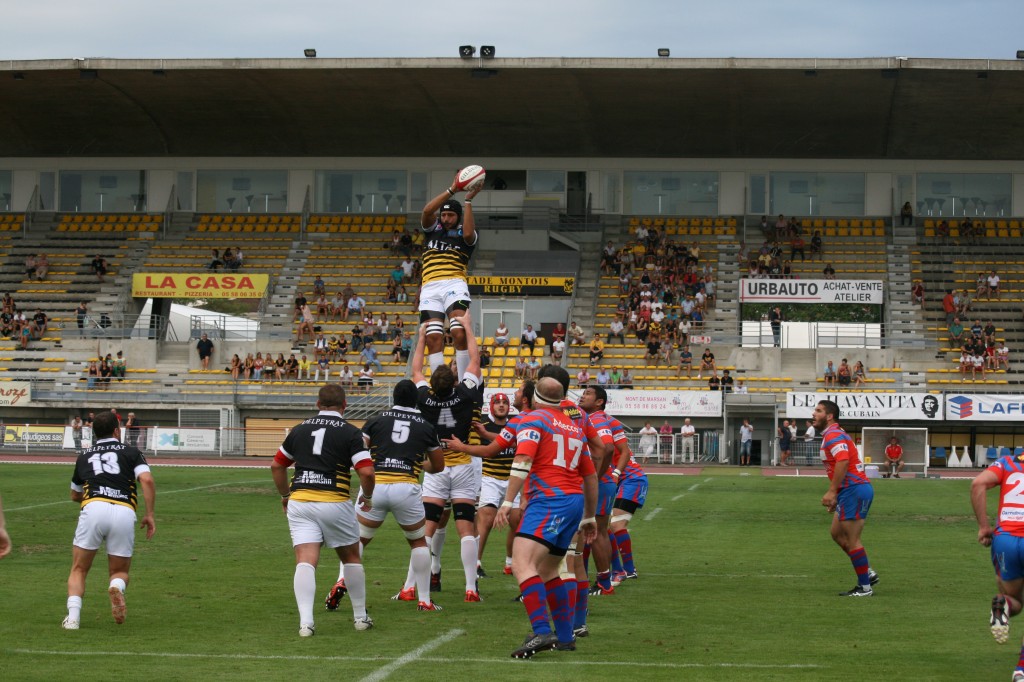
{"x": 561, "y": 494}
{"x": 399, "y": 439}
{"x": 849, "y": 494}
{"x": 324, "y": 449}
{"x": 613, "y": 435}
{"x": 1006, "y": 541}
{"x": 105, "y": 483}
{"x": 451, "y": 406}
{"x": 451, "y": 237}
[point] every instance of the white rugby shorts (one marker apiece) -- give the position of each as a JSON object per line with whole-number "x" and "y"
{"x": 492, "y": 492}
{"x": 331, "y": 523}
{"x": 403, "y": 500}
{"x": 457, "y": 482}
{"x": 105, "y": 521}
{"x": 440, "y": 295}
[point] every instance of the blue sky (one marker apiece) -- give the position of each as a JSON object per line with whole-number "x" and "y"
{"x": 54, "y": 29}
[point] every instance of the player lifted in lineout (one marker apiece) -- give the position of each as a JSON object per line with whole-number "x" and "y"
{"x": 451, "y": 238}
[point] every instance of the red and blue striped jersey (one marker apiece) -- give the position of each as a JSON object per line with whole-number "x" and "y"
{"x": 1010, "y": 470}
{"x": 556, "y": 445}
{"x": 611, "y": 432}
{"x": 837, "y": 446}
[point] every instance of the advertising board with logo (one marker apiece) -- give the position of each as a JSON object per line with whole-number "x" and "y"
{"x": 984, "y": 407}
{"x": 910, "y": 406}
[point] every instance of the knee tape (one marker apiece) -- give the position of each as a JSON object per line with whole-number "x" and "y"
{"x": 432, "y": 511}
{"x": 366, "y": 532}
{"x": 434, "y": 328}
{"x": 455, "y": 323}
{"x": 464, "y": 511}
{"x": 414, "y": 534}
{"x": 621, "y": 518}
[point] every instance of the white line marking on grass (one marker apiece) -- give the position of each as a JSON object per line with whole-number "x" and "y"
{"x": 679, "y": 497}
{"x": 652, "y": 514}
{"x": 162, "y": 493}
{"x": 427, "y": 659}
{"x": 414, "y": 655}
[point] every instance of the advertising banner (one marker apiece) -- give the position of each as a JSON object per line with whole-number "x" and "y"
{"x": 811, "y": 291}
{"x": 184, "y": 440}
{"x": 33, "y": 435}
{"x": 624, "y": 402}
{"x": 193, "y": 285}
{"x": 984, "y": 407}
{"x": 521, "y": 286}
{"x": 15, "y": 393}
{"x": 853, "y": 405}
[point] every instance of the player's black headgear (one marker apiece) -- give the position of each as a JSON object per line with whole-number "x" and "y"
{"x": 453, "y": 206}
{"x": 405, "y": 393}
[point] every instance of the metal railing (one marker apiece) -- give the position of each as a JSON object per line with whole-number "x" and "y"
{"x": 118, "y": 325}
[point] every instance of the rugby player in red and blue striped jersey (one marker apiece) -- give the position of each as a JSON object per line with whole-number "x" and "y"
{"x": 849, "y": 494}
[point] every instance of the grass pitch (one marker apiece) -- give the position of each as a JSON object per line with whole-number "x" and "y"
{"x": 738, "y": 580}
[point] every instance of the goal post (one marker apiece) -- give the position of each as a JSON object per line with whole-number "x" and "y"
{"x": 874, "y": 440}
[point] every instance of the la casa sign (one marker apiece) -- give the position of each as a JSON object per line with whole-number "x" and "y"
{"x": 193, "y": 285}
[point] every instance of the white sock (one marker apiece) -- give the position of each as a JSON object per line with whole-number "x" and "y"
{"x": 75, "y": 608}
{"x": 410, "y": 577}
{"x": 341, "y": 570}
{"x": 436, "y": 547}
{"x": 461, "y": 362}
{"x": 435, "y": 360}
{"x": 356, "y": 584}
{"x": 119, "y": 584}
{"x": 420, "y": 562}
{"x": 468, "y": 547}
{"x": 508, "y": 561}
{"x": 305, "y": 591}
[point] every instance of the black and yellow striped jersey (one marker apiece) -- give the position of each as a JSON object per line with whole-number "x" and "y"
{"x": 454, "y": 416}
{"x": 446, "y": 255}
{"x": 324, "y": 449}
{"x": 400, "y": 439}
{"x": 499, "y": 466}
{"x": 109, "y": 472}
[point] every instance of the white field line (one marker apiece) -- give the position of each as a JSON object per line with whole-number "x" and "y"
{"x": 414, "y": 655}
{"x": 690, "y": 489}
{"x": 427, "y": 659}
{"x": 160, "y": 492}
{"x": 654, "y": 512}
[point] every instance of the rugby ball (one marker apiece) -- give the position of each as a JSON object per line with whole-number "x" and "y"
{"x": 470, "y": 178}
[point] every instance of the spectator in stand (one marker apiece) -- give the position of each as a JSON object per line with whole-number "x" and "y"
{"x": 830, "y": 375}
{"x": 280, "y": 367}
{"x": 305, "y": 365}
{"x": 608, "y": 258}
{"x": 248, "y": 365}
{"x": 356, "y": 306}
{"x": 583, "y": 378}
{"x": 42, "y": 266}
{"x": 92, "y": 373}
{"x": 978, "y": 364}
{"x": 844, "y": 374}
{"x": 529, "y": 337}
{"x": 993, "y": 285}
{"x": 775, "y": 319}
{"x": 345, "y": 376}
{"x": 406, "y": 347}
{"x": 627, "y": 378}
{"x": 323, "y": 365}
{"x": 796, "y": 246}
{"x": 956, "y": 333}
{"x": 520, "y": 368}
{"x": 557, "y": 351}
{"x": 617, "y": 331}
{"x": 306, "y": 325}
{"x": 1002, "y": 356}
{"x": 697, "y": 319}
{"x": 501, "y": 335}
{"x": 963, "y": 303}
{"x": 603, "y": 378}
{"x": 99, "y": 267}
{"x": 741, "y": 387}
{"x": 707, "y": 363}
{"x": 236, "y": 367}
{"x": 615, "y": 378}
{"x": 966, "y": 362}
{"x": 106, "y": 371}
{"x": 653, "y": 346}
{"x": 981, "y": 285}
{"x": 300, "y": 301}
{"x": 665, "y": 352}
{"x": 323, "y": 307}
{"x": 365, "y": 380}
{"x": 205, "y": 349}
{"x": 906, "y": 215}
{"x": 977, "y": 330}
{"x": 30, "y": 266}
{"x": 817, "y": 246}
{"x": 949, "y": 306}
{"x": 257, "y": 367}
{"x": 558, "y": 333}
{"x": 860, "y": 376}
{"x": 39, "y": 324}
{"x": 829, "y": 272}
{"x": 369, "y": 356}
{"x": 319, "y": 288}
{"x": 714, "y": 384}
{"x": 727, "y": 381}
{"x": 917, "y": 293}
{"x": 215, "y": 261}
{"x": 991, "y": 358}
{"x": 596, "y": 350}
{"x": 577, "y": 337}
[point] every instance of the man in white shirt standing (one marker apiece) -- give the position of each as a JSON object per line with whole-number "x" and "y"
{"x": 688, "y": 432}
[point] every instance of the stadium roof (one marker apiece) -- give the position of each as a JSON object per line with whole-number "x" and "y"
{"x": 884, "y": 108}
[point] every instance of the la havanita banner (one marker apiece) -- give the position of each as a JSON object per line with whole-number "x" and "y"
{"x": 519, "y": 286}
{"x": 811, "y": 291}
{"x": 194, "y": 285}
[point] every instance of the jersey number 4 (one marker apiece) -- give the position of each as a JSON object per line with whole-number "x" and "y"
{"x": 575, "y": 448}
{"x": 104, "y": 462}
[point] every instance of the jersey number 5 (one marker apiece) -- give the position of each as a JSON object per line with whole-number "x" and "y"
{"x": 400, "y": 432}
